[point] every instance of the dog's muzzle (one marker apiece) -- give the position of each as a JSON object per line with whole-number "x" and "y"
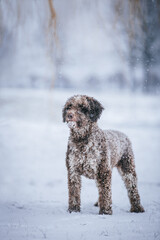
{"x": 71, "y": 124}
{"x": 73, "y": 120}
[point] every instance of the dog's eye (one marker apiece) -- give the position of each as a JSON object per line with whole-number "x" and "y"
{"x": 69, "y": 106}
{"x": 83, "y": 109}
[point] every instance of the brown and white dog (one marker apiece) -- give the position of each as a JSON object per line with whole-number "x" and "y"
{"x": 93, "y": 153}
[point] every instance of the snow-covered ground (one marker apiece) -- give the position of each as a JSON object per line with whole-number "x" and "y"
{"x": 33, "y": 177}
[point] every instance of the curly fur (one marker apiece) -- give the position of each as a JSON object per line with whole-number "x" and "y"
{"x": 93, "y": 153}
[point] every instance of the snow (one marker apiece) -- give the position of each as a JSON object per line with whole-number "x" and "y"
{"x": 33, "y": 179}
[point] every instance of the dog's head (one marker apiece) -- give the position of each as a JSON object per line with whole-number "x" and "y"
{"x": 81, "y": 110}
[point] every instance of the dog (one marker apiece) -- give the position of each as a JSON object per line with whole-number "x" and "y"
{"x": 93, "y": 153}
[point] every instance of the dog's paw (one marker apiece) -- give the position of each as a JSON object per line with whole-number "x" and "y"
{"x": 74, "y": 209}
{"x": 105, "y": 211}
{"x": 137, "y": 209}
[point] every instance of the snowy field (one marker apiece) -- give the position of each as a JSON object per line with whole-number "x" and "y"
{"x": 33, "y": 176}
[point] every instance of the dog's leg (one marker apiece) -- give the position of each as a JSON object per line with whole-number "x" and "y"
{"x": 126, "y": 168}
{"x": 74, "y": 186}
{"x": 104, "y": 188}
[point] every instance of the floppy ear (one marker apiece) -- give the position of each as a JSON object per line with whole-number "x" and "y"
{"x": 95, "y": 109}
{"x": 64, "y": 113}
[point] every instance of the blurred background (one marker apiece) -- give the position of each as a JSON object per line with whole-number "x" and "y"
{"x": 109, "y": 44}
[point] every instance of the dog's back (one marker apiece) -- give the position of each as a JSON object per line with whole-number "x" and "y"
{"x": 118, "y": 145}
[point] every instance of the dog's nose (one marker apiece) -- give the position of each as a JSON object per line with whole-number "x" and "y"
{"x": 70, "y": 116}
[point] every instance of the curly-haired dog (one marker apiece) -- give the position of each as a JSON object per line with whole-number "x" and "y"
{"x": 93, "y": 153}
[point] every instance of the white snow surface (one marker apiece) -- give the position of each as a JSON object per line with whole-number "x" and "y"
{"x": 33, "y": 176}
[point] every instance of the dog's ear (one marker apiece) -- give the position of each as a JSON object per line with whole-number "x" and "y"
{"x": 95, "y": 109}
{"x": 64, "y": 113}
{"x": 67, "y": 106}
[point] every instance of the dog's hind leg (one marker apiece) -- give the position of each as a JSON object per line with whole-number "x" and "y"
{"x": 126, "y": 168}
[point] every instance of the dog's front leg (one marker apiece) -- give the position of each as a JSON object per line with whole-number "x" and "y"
{"x": 74, "y": 186}
{"x": 104, "y": 187}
